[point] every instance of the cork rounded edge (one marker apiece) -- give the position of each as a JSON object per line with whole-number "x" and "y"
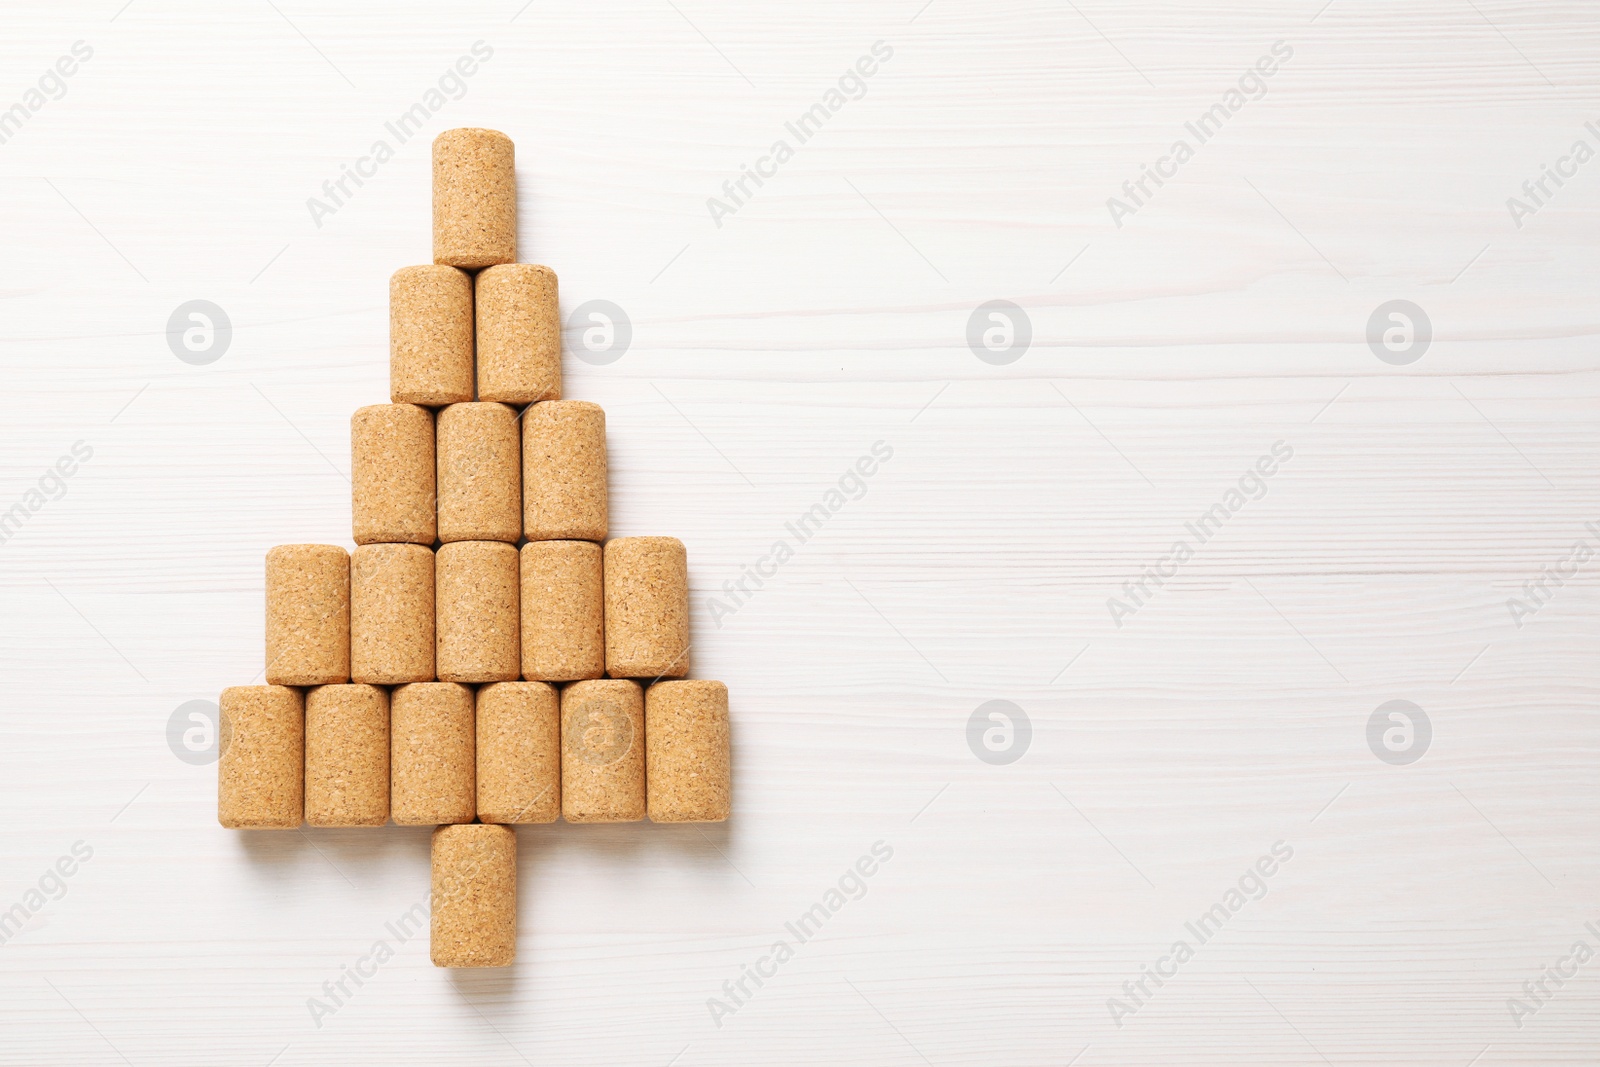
{"x": 306, "y": 681}
{"x": 592, "y": 534}
{"x": 497, "y": 271}
{"x": 578, "y": 819}
{"x": 321, "y": 551}
{"x": 436, "y": 270}
{"x": 423, "y": 399}
{"x": 648, "y": 542}
{"x": 471, "y": 134}
{"x": 346, "y": 824}
{"x": 676, "y": 685}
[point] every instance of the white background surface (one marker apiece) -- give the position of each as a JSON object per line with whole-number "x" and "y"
{"x": 769, "y": 353}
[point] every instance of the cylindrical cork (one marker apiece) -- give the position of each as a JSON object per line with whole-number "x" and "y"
{"x": 391, "y": 474}
{"x": 564, "y": 471}
{"x": 474, "y": 199}
{"x": 687, "y": 751}
{"x": 563, "y": 611}
{"x": 477, "y": 600}
{"x": 308, "y": 615}
{"x": 480, "y": 474}
{"x": 261, "y": 769}
{"x": 602, "y": 751}
{"x": 519, "y": 753}
{"x": 474, "y": 897}
{"x": 391, "y": 614}
{"x": 431, "y": 761}
{"x": 347, "y": 756}
{"x": 430, "y": 336}
{"x": 519, "y": 334}
{"x": 647, "y": 608}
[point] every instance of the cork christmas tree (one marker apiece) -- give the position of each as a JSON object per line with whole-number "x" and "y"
{"x": 486, "y": 656}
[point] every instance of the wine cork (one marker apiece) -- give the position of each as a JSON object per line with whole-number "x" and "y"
{"x": 647, "y": 608}
{"x": 474, "y": 896}
{"x": 480, "y": 474}
{"x": 431, "y": 761}
{"x": 347, "y": 756}
{"x": 564, "y": 471}
{"x": 519, "y": 753}
{"x": 474, "y": 199}
{"x": 261, "y": 769}
{"x": 519, "y": 333}
{"x": 687, "y": 751}
{"x": 477, "y": 601}
{"x": 602, "y": 751}
{"x": 391, "y": 474}
{"x": 563, "y": 611}
{"x": 430, "y": 336}
{"x": 391, "y": 614}
{"x": 308, "y": 615}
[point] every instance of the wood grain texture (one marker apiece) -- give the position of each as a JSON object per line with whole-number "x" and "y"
{"x": 769, "y": 353}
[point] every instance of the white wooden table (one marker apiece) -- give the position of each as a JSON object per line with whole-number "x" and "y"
{"x": 775, "y": 340}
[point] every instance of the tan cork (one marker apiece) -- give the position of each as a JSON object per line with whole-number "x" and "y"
{"x": 519, "y": 753}
{"x": 391, "y": 614}
{"x": 602, "y": 751}
{"x": 563, "y": 611}
{"x": 478, "y": 603}
{"x": 308, "y": 615}
{"x": 261, "y": 770}
{"x": 347, "y": 756}
{"x": 687, "y": 752}
{"x": 474, "y": 198}
{"x": 519, "y": 334}
{"x": 647, "y": 608}
{"x": 480, "y": 473}
{"x": 391, "y": 475}
{"x": 474, "y": 896}
{"x": 430, "y": 336}
{"x": 431, "y": 760}
{"x": 564, "y": 471}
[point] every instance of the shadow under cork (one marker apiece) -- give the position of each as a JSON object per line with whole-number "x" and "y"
{"x": 361, "y": 856}
{"x": 704, "y": 840}
{"x": 623, "y": 845}
{"x": 623, "y": 850}
{"x": 369, "y": 855}
{"x": 492, "y": 991}
{"x": 277, "y": 855}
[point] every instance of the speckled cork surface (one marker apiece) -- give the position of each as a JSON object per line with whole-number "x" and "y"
{"x": 519, "y": 753}
{"x": 391, "y": 475}
{"x": 432, "y": 766}
{"x": 391, "y": 614}
{"x": 477, "y": 600}
{"x": 479, "y": 473}
{"x": 602, "y": 751}
{"x": 474, "y": 198}
{"x": 519, "y": 333}
{"x": 430, "y": 336}
{"x": 261, "y": 766}
{"x": 563, "y": 609}
{"x": 474, "y": 896}
{"x": 564, "y": 472}
{"x": 687, "y": 751}
{"x": 308, "y": 615}
{"x": 347, "y": 756}
{"x": 647, "y": 608}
